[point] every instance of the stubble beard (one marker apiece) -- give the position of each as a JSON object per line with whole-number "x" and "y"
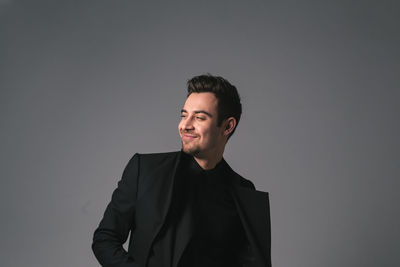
{"x": 191, "y": 150}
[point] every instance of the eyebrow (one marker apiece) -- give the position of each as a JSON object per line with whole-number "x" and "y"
{"x": 197, "y": 112}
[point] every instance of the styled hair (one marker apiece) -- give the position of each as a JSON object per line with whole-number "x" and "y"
{"x": 227, "y": 95}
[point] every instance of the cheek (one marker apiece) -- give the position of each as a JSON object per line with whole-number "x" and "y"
{"x": 214, "y": 133}
{"x": 206, "y": 132}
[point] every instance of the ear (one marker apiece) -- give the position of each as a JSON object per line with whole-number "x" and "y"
{"x": 229, "y": 125}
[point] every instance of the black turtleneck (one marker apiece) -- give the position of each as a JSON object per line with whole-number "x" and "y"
{"x": 219, "y": 235}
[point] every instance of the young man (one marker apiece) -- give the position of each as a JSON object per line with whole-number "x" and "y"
{"x": 189, "y": 208}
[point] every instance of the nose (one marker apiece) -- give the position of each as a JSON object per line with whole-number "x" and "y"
{"x": 187, "y": 124}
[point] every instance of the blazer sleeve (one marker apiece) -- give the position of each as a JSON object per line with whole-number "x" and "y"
{"x": 118, "y": 220}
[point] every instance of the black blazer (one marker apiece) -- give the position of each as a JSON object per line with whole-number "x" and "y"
{"x": 140, "y": 204}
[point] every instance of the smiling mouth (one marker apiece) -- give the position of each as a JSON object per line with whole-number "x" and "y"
{"x": 188, "y": 136}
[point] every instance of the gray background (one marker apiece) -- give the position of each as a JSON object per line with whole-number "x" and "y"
{"x": 85, "y": 84}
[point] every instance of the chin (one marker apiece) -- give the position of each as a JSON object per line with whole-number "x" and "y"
{"x": 194, "y": 151}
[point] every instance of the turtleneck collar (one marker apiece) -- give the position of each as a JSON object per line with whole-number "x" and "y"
{"x": 218, "y": 173}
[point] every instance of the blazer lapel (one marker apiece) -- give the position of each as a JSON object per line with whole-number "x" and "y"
{"x": 152, "y": 208}
{"x": 253, "y": 209}
{"x": 184, "y": 231}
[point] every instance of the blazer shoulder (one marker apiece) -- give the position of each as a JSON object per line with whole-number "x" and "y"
{"x": 157, "y": 156}
{"x": 244, "y": 182}
{"x": 155, "y": 159}
{"x": 247, "y": 183}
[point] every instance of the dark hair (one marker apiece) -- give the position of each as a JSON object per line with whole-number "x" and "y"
{"x": 228, "y": 97}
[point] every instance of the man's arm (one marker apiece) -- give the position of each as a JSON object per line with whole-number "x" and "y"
{"x": 117, "y": 221}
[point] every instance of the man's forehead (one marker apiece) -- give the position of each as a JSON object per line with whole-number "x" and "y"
{"x": 201, "y": 101}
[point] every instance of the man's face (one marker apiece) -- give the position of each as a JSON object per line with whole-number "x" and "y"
{"x": 198, "y": 127}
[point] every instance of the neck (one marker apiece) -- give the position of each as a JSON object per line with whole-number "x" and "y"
{"x": 208, "y": 163}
